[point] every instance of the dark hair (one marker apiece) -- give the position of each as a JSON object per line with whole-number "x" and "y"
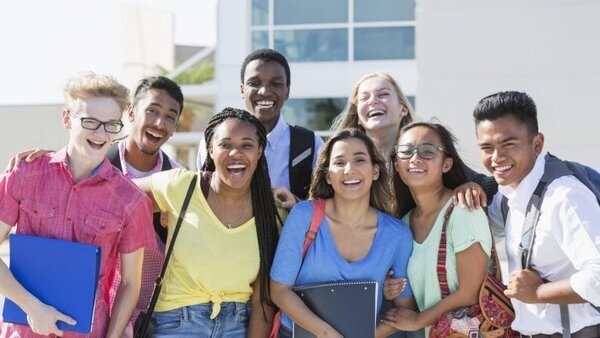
{"x": 451, "y": 179}
{"x": 158, "y": 82}
{"x": 380, "y": 194}
{"x": 516, "y": 104}
{"x": 266, "y": 55}
{"x": 263, "y": 203}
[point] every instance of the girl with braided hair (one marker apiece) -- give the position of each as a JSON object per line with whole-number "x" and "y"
{"x": 217, "y": 281}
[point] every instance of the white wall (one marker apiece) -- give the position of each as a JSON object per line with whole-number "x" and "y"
{"x": 547, "y": 48}
{"x": 27, "y": 127}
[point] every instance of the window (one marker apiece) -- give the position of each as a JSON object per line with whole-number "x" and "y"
{"x": 312, "y": 44}
{"x": 335, "y": 30}
{"x": 315, "y": 114}
{"x": 384, "y": 43}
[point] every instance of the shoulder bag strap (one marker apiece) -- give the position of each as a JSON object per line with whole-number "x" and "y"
{"x": 159, "y": 279}
{"x": 315, "y": 222}
{"x": 311, "y": 234}
{"x": 441, "y": 261}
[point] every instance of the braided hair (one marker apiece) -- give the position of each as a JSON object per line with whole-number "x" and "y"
{"x": 263, "y": 203}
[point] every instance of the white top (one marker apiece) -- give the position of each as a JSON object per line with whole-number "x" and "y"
{"x": 567, "y": 245}
{"x": 277, "y": 153}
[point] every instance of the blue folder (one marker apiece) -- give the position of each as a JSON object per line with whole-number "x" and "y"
{"x": 350, "y": 307}
{"x": 59, "y": 273}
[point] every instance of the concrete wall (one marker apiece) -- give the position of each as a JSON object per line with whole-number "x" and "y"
{"x": 26, "y": 127}
{"x": 547, "y": 48}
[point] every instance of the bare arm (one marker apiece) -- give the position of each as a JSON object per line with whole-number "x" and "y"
{"x": 259, "y": 326}
{"x": 385, "y": 330}
{"x": 472, "y": 267}
{"x": 295, "y": 308}
{"x": 129, "y": 291}
{"x": 42, "y": 318}
{"x": 145, "y": 185}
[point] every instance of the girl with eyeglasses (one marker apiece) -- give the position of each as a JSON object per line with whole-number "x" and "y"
{"x": 379, "y": 108}
{"x": 428, "y": 169}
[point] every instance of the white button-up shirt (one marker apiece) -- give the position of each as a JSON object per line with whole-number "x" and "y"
{"x": 567, "y": 245}
{"x": 277, "y": 153}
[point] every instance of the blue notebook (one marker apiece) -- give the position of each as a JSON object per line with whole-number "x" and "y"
{"x": 350, "y": 307}
{"x": 60, "y": 273}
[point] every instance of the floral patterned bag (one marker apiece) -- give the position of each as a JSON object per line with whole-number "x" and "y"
{"x": 490, "y": 318}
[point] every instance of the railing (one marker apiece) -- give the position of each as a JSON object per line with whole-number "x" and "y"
{"x": 184, "y": 146}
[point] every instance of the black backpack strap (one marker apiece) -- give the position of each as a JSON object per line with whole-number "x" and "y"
{"x": 113, "y": 156}
{"x": 302, "y": 148}
{"x": 166, "y": 162}
{"x": 160, "y": 230}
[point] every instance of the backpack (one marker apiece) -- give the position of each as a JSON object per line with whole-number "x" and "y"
{"x": 115, "y": 160}
{"x": 554, "y": 169}
{"x": 300, "y": 166}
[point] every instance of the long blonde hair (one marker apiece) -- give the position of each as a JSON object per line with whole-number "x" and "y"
{"x": 349, "y": 117}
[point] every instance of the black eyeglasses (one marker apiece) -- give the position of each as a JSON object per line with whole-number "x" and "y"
{"x": 90, "y": 123}
{"x": 426, "y": 151}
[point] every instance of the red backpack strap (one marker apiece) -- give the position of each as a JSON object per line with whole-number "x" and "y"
{"x": 441, "y": 261}
{"x": 315, "y": 222}
{"x": 311, "y": 234}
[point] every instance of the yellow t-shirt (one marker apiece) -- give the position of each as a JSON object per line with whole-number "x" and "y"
{"x": 209, "y": 263}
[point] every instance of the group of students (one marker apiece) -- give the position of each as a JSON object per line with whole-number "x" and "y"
{"x": 386, "y": 182}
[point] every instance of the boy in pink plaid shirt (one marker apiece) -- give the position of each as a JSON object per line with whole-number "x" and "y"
{"x": 75, "y": 194}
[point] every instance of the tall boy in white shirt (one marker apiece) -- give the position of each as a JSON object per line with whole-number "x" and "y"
{"x": 565, "y": 258}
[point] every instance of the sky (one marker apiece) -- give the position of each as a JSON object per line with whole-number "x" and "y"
{"x": 42, "y": 43}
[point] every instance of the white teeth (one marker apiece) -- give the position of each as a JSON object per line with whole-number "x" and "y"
{"x": 236, "y": 166}
{"x": 503, "y": 168}
{"x": 154, "y": 134}
{"x": 265, "y": 103}
{"x": 416, "y": 170}
{"x": 97, "y": 142}
{"x": 376, "y": 112}
{"x": 351, "y": 182}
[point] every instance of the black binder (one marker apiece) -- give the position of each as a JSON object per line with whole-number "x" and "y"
{"x": 349, "y": 306}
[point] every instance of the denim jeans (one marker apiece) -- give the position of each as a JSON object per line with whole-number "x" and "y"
{"x": 194, "y": 321}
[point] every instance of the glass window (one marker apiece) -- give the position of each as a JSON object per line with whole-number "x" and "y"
{"x": 260, "y": 12}
{"x": 313, "y": 44}
{"x": 310, "y": 11}
{"x": 384, "y": 43}
{"x": 260, "y": 39}
{"x": 315, "y": 114}
{"x": 384, "y": 10}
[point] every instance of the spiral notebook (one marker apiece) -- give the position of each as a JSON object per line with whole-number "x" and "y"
{"x": 60, "y": 273}
{"x": 350, "y": 307}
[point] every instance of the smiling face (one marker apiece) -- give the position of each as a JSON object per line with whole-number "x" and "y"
{"x": 416, "y": 172}
{"x": 508, "y": 150}
{"x": 351, "y": 170}
{"x": 235, "y": 150}
{"x": 378, "y": 105}
{"x": 90, "y": 144}
{"x": 154, "y": 120}
{"x": 264, "y": 91}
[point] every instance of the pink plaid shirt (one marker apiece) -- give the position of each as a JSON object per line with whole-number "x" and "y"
{"x": 153, "y": 258}
{"x": 106, "y": 210}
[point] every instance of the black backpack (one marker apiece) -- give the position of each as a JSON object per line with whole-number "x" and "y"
{"x": 115, "y": 160}
{"x": 302, "y": 148}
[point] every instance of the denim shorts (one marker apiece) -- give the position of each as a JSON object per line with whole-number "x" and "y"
{"x": 194, "y": 321}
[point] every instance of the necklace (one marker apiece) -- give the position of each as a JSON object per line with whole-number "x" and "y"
{"x": 231, "y": 225}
